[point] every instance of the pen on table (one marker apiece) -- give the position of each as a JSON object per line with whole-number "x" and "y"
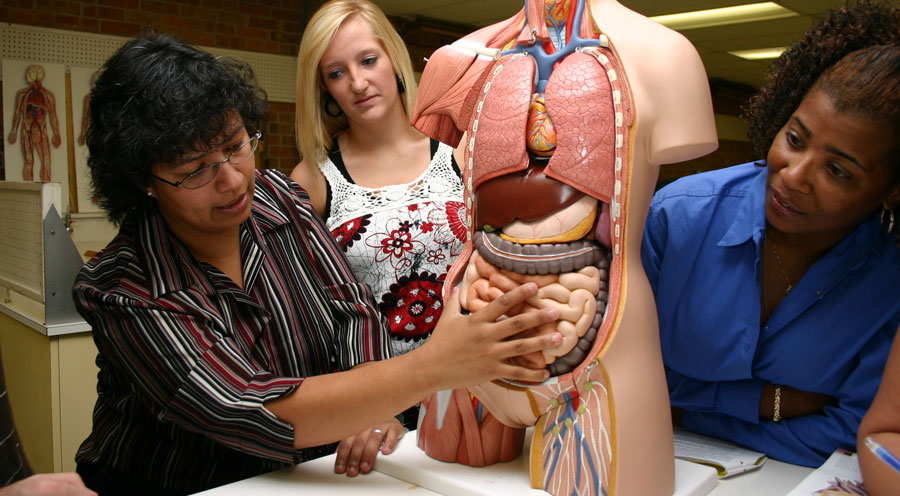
{"x": 882, "y": 453}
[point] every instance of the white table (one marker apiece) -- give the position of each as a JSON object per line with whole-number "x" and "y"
{"x": 512, "y": 478}
{"x": 775, "y": 478}
{"x": 318, "y": 477}
{"x": 409, "y": 471}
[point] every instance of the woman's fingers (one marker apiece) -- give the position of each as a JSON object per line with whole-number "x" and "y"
{"x": 481, "y": 346}
{"x": 392, "y": 436}
{"x": 452, "y": 305}
{"x": 343, "y": 454}
{"x": 366, "y": 452}
{"x": 525, "y": 346}
{"x": 523, "y": 322}
{"x": 524, "y": 374}
{"x": 501, "y": 305}
{"x": 357, "y": 454}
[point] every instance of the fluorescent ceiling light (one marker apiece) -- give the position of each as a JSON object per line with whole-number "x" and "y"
{"x": 728, "y": 15}
{"x": 759, "y": 54}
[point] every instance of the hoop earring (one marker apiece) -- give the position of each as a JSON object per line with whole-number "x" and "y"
{"x": 331, "y": 106}
{"x": 890, "y": 224}
{"x": 400, "y": 86}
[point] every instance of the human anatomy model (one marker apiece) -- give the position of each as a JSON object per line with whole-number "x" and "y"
{"x": 34, "y": 106}
{"x": 565, "y": 112}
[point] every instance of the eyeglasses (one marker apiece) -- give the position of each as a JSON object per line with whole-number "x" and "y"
{"x": 202, "y": 176}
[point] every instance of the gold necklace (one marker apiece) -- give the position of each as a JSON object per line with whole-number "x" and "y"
{"x": 778, "y": 259}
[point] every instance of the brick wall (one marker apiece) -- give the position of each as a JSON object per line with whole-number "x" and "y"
{"x": 279, "y": 150}
{"x": 266, "y": 26}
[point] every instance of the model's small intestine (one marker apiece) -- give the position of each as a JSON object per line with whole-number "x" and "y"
{"x": 580, "y": 296}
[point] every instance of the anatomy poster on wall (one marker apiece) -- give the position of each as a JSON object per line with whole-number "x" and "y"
{"x": 81, "y": 86}
{"x": 34, "y": 141}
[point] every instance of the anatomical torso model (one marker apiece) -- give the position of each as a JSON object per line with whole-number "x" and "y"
{"x": 565, "y": 112}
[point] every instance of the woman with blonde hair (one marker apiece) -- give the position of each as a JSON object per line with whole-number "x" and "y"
{"x": 319, "y": 118}
{"x": 391, "y": 197}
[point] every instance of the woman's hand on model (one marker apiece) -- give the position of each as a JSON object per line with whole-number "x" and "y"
{"x": 356, "y": 454}
{"x": 477, "y": 347}
{"x": 464, "y": 350}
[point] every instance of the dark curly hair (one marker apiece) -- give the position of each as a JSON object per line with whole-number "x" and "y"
{"x": 790, "y": 77}
{"x": 155, "y": 100}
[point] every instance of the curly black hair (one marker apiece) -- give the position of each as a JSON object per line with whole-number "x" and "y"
{"x": 790, "y": 77}
{"x": 155, "y": 100}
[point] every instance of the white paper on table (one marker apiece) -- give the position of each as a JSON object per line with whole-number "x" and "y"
{"x": 727, "y": 458}
{"x": 839, "y": 472}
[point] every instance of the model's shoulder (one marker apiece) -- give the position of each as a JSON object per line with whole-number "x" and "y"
{"x": 627, "y": 28}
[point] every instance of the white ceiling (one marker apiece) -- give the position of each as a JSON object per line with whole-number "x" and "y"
{"x": 712, "y": 43}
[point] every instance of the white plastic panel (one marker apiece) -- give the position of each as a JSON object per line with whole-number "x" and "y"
{"x": 21, "y": 238}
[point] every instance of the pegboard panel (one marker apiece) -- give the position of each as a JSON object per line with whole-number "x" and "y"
{"x": 21, "y": 239}
{"x": 275, "y": 73}
{"x": 56, "y": 46}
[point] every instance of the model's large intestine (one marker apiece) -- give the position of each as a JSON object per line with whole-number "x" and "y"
{"x": 571, "y": 277}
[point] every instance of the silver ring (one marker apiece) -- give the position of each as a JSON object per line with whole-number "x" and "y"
{"x": 378, "y": 431}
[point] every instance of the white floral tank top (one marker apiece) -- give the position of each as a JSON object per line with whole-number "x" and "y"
{"x": 401, "y": 239}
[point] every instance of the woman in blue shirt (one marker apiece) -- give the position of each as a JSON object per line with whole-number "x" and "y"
{"x": 776, "y": 281}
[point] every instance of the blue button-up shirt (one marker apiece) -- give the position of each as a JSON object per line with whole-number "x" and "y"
{"x": 831, "y": 334}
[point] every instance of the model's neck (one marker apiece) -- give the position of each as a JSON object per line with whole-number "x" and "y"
{"x": 558, "y": 11}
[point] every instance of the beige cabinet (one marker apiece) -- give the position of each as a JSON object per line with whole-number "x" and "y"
{"x": 52, "y": 382}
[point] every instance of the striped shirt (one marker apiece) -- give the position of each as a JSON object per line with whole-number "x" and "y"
{"x": 13, "y": 463}
{"x": 187, "y": 358}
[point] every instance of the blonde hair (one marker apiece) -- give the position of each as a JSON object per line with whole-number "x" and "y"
{"x": 315, "y": 128}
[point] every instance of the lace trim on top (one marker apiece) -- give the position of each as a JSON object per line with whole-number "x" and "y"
{"x": 348, "y": 200}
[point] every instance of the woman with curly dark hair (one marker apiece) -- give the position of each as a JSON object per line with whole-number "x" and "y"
{"x": 233, "y": 337}
{"x": 776, "y": 281}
